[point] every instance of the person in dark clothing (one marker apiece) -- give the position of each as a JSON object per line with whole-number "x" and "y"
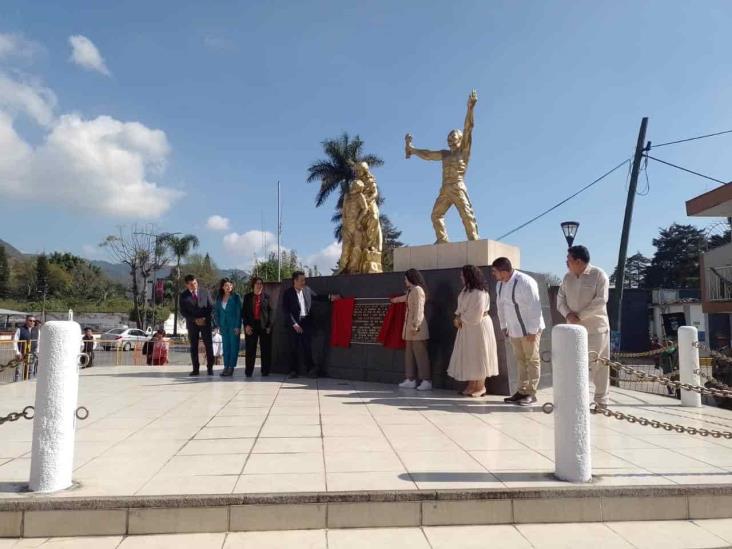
{"x": 196, "y": 306}
{"x": 88, "y": 347}
{"x": 256, "y": 315}
{"x": 24, "y": 337}
{"x": 296, "y": 304}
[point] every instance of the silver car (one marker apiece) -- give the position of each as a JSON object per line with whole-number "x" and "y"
{"x": 124, "y": 339}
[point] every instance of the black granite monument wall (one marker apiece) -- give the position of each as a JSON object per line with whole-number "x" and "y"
{"x": 368, "y": 360}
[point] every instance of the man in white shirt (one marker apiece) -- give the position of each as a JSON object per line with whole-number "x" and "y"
{"x": 582, "y": 300}
{"x": 519, "y": 310}
{"x": 296, "y": 304}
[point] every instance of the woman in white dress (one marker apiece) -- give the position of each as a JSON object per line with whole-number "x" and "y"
{"x": 474, "y": 356}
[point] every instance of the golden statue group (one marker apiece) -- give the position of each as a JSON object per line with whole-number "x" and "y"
{"x": 362, "y": 237}
{"x": 362, "y": 240}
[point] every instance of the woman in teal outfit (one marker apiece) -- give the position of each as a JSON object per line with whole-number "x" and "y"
{"x": 228, "y": 319}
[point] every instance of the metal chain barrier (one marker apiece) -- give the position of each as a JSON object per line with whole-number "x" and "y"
{"x": 646, "y": 353}
{"x": 717, "y": 384}
{"x": 13, "y": 363}
{"x": 27, "y": 413}
{"x": 666, "y": 426}
{"x": 82, "y": 413}
{"x": 724, "y": 393}
{"x": 714, "y": 354}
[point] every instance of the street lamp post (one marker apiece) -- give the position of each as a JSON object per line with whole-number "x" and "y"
{"x": 569, "y": 228}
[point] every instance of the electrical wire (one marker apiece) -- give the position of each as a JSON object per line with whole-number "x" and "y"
{"x": 691, "y": 139}
{"x": 583, "y": 189}
{"x": 686, "y": 170}
{"x": 647, "y": 190}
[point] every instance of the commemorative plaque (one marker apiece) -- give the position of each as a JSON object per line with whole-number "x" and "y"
{"x": 367, "y": 321}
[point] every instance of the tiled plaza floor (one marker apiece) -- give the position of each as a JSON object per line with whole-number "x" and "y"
{"x": 621, "y": 535}
{"x": 153, "y": 430}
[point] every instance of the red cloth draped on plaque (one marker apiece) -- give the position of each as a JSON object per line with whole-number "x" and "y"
{"x": 341, "y": 322}
{"x": 390, "y": 335}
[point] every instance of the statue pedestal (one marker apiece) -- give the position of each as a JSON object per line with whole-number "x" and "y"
{"x": 480, "y": 253}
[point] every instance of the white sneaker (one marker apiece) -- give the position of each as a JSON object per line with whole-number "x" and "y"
{"x": 425, "y": 385}
{"x": 408, "y": 384}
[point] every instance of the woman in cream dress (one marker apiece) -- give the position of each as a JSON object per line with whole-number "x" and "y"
{"x": 474, "y": 356}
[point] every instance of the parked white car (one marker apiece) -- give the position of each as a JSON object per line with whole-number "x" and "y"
{"x": 122, "y": 338}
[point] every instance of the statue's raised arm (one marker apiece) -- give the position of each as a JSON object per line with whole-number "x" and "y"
{"x": 424, "y": 154}
{"x": 468, "y": 128}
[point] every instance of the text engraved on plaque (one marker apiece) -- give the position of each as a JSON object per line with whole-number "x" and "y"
{"x": 367, "y": 321}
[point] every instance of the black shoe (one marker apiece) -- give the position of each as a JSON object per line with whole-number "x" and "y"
{"x": 248, "y": 373}
{"x": 209, "y": 372}
{"x": 193, "y": 373}
{"x": 228, "y": 372}
{"x": 292, "y": 375}
{"x": 265, "y": 374}
{"x": 313, "y": 374}
{"x": 527, "y": 400}
{"x": 515, "y": 398}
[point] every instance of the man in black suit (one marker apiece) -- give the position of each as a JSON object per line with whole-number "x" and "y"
{"x": 256, "y": 314}
{"x": 296, "y": 304}
{"x": 196, "y": 306}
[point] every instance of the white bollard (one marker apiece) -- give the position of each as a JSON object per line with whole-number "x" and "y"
{"x": 572, "y": 455}
{"x": 689, "y": 365}
{"x": 54, "y": 424}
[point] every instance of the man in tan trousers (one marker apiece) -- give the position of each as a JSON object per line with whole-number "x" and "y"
{"x": 582, "y": 300}
{"x": 519, "y": 310}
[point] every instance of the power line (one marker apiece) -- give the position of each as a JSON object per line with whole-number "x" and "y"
{"x": 691, "y": 139}
{"x": 686, "y": 170}
{"x": 583, "y": 189}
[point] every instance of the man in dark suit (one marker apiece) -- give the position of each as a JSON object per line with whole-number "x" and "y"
{"x": 256, "y": 314}
{"x": 196, "y": 306}
{"x": 296, "y": 304}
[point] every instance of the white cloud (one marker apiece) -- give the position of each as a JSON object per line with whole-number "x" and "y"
{"x": 16, "y": 45}
{"x": 101, "y": 165}
{"x": 26, "y": 97}
{"x": 244, "y": 246}
{"x": 326, "y": 259}
{"x": 218, "y": 223}
{"x": 85, "y": 54}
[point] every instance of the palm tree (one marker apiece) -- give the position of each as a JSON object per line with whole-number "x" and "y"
{"x": 180, "y": 247}
{"x": 335, "y": 172}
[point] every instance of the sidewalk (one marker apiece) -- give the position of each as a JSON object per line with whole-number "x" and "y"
{"x": 155, "y": 431}
{"x": 641, "y": 535}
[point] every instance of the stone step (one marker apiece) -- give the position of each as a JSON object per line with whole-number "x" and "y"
{"x": 53, "y": 516}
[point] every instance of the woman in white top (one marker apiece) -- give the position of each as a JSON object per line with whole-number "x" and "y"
{"x": 474, "y": 356}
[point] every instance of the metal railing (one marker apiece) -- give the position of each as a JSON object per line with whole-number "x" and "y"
{"x": 719, "y": 283}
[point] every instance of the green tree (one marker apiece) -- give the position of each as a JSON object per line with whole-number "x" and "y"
{"x": 42, "y": 275}
{"x": 267, "y": 269}
{"x": 84, "y": 282}
{"x": 4, "y": 273}
{"x": 717, "y": 240}
{"x": 391, "y": 241}
{"x": 635, "y": 271}
{"x": 675, "y": 263}
{"x": 204, "y": 269}
{"x": 180, "y": 247}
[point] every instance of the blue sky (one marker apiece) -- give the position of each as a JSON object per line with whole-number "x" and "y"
{"x": 193, "y": 110}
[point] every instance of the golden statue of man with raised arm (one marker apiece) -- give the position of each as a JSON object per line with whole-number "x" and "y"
{"x": 454, "y": 165}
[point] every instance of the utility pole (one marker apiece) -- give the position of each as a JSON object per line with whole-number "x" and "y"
{"x": 279, "y": 233}
{"x": 617, "y": 303}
